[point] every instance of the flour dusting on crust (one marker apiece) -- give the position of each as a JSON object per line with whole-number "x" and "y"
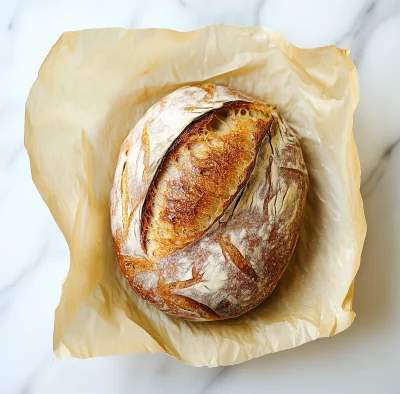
{"x": 239, "y": 259}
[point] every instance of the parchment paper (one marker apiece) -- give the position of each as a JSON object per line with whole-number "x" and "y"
{"x": 92, "y": 89}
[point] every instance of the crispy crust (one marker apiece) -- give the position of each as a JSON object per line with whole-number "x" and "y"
{"x": 201, "y": 181}
{"x": 205, "y": 227}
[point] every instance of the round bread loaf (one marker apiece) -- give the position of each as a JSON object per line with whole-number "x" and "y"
{"x": 207, "y": 202}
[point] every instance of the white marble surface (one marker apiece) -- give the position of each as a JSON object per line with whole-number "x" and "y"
{"x": 34, "y": 256}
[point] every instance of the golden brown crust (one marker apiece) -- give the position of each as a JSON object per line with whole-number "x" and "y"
{"x": 231, "y": 252}
{"x": 205, "y": 181}
{"x": 205, "y": 227}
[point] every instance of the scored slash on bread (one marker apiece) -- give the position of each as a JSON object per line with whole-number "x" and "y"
{"x": 207, "y": 202}
{"x": 203, "y": 171}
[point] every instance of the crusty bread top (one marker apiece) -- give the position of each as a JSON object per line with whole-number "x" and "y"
{"x": 162, "y": 125}
{"x": 202, "y": 172}
{"x": 207, "y": 201}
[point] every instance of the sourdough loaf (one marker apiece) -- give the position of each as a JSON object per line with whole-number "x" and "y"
{"x": 207, "y": 202}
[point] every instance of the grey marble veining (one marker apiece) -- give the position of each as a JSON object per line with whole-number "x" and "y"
{"x": 35, "y": 257}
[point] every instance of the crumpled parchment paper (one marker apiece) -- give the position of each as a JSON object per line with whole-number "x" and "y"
{"x": 92, "y": 89}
